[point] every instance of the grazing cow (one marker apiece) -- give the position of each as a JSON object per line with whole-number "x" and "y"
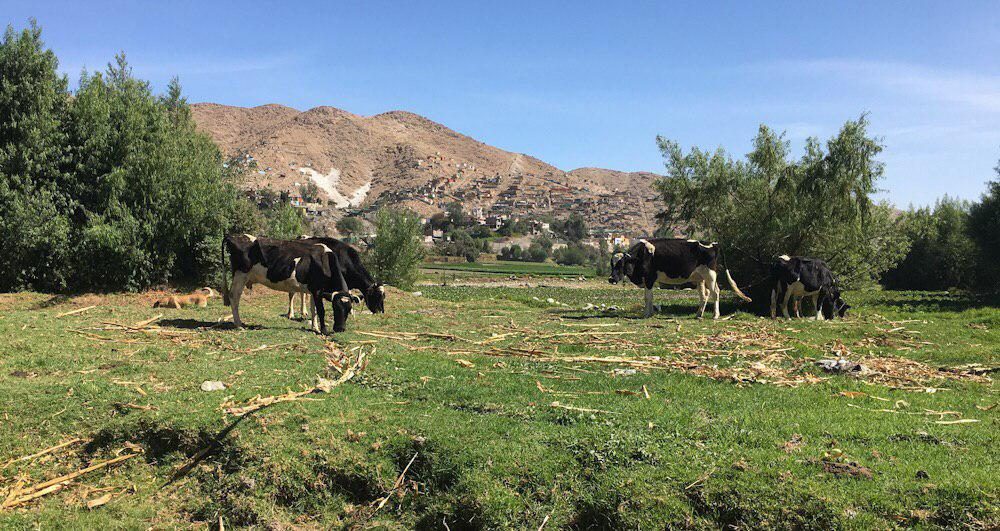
{"x": 289, "y": 266}
{"x": 355, "y": 273}
{"x": 673, "y": 261}
{"x": 797, "y": 277}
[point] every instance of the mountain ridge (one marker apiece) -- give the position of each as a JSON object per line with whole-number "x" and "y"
{"x": 399, "y": 157}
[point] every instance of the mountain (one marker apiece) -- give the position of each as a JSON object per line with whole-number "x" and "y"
{"x": 401, "y": 158}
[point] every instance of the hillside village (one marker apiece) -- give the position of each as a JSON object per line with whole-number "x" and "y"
{"x": 332, "y": 164}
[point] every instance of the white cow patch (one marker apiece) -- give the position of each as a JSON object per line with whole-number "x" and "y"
{"x": 709, "y": 246}
{"x": 797, "y": 289}
{"x": 700, "y": 273}
{"x": 649, "y": 247}
{"x": 258, "y": 275}
{"x": 251, "y": 237}
{"x": 784, "y": 258}
{"x": 325, "y": 248}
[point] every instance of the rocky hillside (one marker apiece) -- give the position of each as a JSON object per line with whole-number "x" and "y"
{"x": 363, "y": 162}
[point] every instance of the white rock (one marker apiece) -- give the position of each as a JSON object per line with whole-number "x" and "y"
{"x": 212, "y": 385}
{"x": 417, "y": 293}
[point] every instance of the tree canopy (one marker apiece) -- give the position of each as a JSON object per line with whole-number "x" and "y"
{"x": 984, "y": 229}
{"x": 770, "y": 204}
{"x": 112, "y": 176}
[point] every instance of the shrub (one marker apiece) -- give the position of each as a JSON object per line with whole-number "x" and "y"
{"x": 395, "y": 254}
{"x": 942, "y": 255}
{"x": 536, "y": 253}
{"x": 511, "y": 252}
{"x": 572, "y": 254}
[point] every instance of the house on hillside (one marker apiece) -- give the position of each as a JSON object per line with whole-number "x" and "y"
{"x": 617, "y": 240}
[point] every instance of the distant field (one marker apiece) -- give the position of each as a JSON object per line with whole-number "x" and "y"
{"x": 490, "y": 408}
{"x": 514, "y": 268}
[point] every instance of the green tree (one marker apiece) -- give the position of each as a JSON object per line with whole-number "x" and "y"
{"x": 536, "y": 253}
{"x": 34, "y": 209}
{"x": 310, "y": 192}
{"x": 480, "y": 232}
{"x": 285, "y": 222}
{"x": 511, "y": 252}
{"x": 572, "y": 254}
{"x": 769, "y": 204}
{"x": 461, "y": 244}
{"x": 984, "y": 229}
{"x": 942, "y": 255}
{"x": 513, "y": 227}
{"x": 396, "y": 252}
{"x": 456, "y": 214}
{"x": 349, "y": 226}
{"x": 574, "y": 229}
{"x": 115, "y": 177}
{"x": 544, "y": 242}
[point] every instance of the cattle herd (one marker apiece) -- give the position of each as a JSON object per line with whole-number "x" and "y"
{"x": 327, "y": 269}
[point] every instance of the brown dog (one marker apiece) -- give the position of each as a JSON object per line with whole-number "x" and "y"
{"x": 181, "y": 301}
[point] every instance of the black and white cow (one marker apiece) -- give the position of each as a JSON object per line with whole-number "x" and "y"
{"x": 355, "y": 273}
{"x": 289, "y": 266}
{"x": 673, "y": 261}
{"x": 796, "y": 277}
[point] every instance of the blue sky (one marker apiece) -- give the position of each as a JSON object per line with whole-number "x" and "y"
{"x": 587, "y": 83}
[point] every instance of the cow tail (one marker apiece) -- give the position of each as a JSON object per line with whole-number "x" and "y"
{"x": 225, "y": 278}
{"x": 732, "y": 283}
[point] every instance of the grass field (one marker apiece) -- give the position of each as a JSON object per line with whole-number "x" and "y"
{"x": 522, "y": 413}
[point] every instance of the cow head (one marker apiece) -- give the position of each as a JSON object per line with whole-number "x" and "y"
{"x": 837, "y": 307}
{"x": 622, "y": 265}
{"x": 375, "y": 298}
{"x": 342, "y": 306}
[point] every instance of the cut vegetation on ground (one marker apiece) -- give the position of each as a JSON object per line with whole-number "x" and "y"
{"x": 490, "y": 407}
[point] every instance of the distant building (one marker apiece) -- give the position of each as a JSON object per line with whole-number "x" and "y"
{"x": 618, "y": 240}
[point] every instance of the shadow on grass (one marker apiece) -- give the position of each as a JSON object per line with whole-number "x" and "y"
{"x": 679, "y": 309}
{"x": 197, "y": 324}
{"x": 940, "y": 302}
{"x": 53, "y": 300}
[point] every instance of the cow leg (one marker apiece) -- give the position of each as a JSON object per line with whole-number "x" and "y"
{"x": 303, "y": 306}
{"x": 774, "y": 303}
{"x": 319, "y": 313}
{"x": 819, "y": 312}
{"x": 239, "y": 281}
{"x": 291, "y": 305}
{"x": 796, "y": 301}
{"x": 784, "y": 303}
{"x": 649, "y": 304}
{"x": 712, "y": 284}
{"x": 703, "y": 297}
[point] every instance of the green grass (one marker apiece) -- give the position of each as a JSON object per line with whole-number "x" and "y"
{"x": 491, "y": 450}
{"x": 513, "y": 268}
